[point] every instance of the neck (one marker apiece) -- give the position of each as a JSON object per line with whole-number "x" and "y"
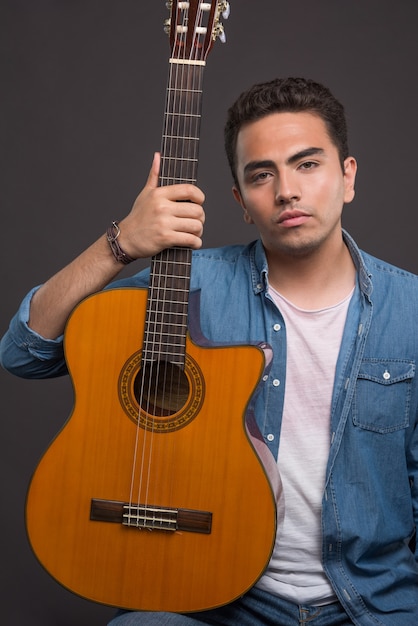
{"x": 319, "y": 279}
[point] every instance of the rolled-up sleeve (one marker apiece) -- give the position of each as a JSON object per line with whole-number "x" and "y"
{"x": 27, "y": 354}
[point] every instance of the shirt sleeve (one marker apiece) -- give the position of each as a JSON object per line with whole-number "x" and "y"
{"x": 413, "y": 468}
{"x": 27, "y": 354}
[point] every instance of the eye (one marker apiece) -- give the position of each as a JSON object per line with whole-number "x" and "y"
{"x": 260, "y": 177}
{"x": 308, "y": 165}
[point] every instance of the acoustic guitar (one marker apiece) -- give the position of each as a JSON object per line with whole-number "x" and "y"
{"x": 155, "y": 494}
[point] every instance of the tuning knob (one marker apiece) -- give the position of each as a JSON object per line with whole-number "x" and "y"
{"x": 225, "y": 9}
{"x": 219, "y": 32}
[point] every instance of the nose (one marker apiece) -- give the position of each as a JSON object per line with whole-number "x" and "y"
{"x": 287, "y": 188}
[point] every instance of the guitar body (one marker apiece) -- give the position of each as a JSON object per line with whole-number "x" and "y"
{"x": 199, "y": 460}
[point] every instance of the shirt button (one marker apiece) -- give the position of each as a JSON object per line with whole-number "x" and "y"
{"x": 276, "y": 382}
{"x": 276, "y": 327}
{"x": 386, "y": 375}
{"x": 270, "y": 437}
{"x": 265, "y": 377}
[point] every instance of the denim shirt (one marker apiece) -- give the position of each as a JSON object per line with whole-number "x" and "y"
{"x": 370, "y": 501}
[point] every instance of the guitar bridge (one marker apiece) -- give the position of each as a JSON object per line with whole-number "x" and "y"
{"x": 149, "y": 517}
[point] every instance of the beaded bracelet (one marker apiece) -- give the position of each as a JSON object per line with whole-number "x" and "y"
{"x": 112, "y": 235}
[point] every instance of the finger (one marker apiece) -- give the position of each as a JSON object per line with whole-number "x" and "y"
{"x": 190, "y": 226}
{"x": 187, "y": 193}
{"x": 190, "y": 210}
{"x": 153, "y": 176}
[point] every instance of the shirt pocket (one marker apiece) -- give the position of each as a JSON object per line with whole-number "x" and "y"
{"x": 383, "y": 395}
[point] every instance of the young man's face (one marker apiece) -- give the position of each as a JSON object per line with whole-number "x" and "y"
{"x": 291, "y": 184}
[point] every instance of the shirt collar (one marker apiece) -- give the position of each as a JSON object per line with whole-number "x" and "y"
{"x": 259, "y": 267}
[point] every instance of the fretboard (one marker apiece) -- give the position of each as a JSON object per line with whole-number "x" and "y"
{"x": 168, "y": 295}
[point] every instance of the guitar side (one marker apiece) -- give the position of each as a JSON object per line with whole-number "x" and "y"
{"x": 197, "y": 465}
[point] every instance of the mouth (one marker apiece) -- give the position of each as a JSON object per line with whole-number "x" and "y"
{"x": 292, "y": 218}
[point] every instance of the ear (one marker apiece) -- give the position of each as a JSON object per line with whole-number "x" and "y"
{"x": 238, "y": 197}
{"x": 350, "y": 170}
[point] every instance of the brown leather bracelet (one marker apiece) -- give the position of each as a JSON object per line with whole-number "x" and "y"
{"x": 112, "y": 235}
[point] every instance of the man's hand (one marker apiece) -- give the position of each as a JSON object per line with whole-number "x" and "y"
{"x": 163, "y": 217}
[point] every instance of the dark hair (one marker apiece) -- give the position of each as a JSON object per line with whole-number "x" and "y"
{"x": 286, "y": 95}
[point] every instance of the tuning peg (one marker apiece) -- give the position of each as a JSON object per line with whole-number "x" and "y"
{"x": 219, "y": 32}
{"x": 225, "y": 9}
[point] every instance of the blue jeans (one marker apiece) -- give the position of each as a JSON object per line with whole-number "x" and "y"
{"x": 256, "y": 608}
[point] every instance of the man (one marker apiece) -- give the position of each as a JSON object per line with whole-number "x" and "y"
{"x": 339, "y": 408}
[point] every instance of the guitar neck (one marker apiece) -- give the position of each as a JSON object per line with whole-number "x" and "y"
{"x": 181, "y": 128}
{"x": 166, "y": 320}
{"x": 192, "y": 27}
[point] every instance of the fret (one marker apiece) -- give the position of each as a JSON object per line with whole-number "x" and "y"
{"x": 165, "y": 343}
{"x": 176, "y": 358}
{"x": 171, "y": 318}
{"x": 169, "y": 340}
{"x": 163, "y": 331}
{"x": 173, "y": 357}
{"x": 180, "y": 114}
{"x": 166, "y": 297}
{"x": 176, "y": 330}
{"x": 187, "y": 62}
{"x": 173, "y": 321}
{"x": 170, "y": 334}
{"x": 164, "y": 316}
{"x": 190, "y": 154}
{"x": 161, "y": 307}
{"x": 174, "y": 282}
{"x": 165, "y": 348}
{"x": 183, "y": 159}
{"x": 175, "y": 334}
{"x": 182, "y": 138}
{"x": 177, "y": 281}
{"x": 160, "y": 320}
{"x": 175, "y": 263}
{"x": 173, "y": 91}
{"x": 161, "y": 325}
{"x": 164, "y": 355}
{"x": 175, "y": 260}
{"x": 173, "y": 290}
{"x": 167, "y": 301}
{"x": 176, "y": 90}
{"x": 168, "y": 294}
{"x": 167, "y": 308}
{"x": 171, "y": 282}
{"x": 181, "y": 97}
{"x": 173, "y": 180}
{"x": 182, "y": 109}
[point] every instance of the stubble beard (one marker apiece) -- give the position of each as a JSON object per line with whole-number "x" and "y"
{"x": 299, "y": 245}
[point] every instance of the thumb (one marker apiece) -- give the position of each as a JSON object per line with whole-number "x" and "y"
{"x": 154, "y": 173}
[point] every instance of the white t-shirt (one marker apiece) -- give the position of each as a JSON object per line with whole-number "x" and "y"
{"x": 314, "y": 337}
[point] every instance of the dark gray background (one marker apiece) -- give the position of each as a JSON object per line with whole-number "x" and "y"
{"x": 82, "y": 91}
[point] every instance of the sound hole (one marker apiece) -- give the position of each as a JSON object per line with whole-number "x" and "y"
{"x": 161, "y": 388}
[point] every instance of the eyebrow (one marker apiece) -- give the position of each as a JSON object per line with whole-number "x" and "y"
{"x": 266, "y": 163}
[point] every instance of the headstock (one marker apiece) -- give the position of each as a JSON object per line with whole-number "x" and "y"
{"x": 194, "y": 26}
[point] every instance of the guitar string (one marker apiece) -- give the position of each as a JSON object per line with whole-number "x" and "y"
{"x": 148, "y": 357}
{"x": 154, "y": 340}
{"x": 186, "y": 139}
{"x": 171, "y": 134}
{"x": 181, "y": 134}
{"x": 178, "y": 105}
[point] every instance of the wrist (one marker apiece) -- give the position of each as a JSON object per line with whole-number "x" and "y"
{"x": 112, "y": 235}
